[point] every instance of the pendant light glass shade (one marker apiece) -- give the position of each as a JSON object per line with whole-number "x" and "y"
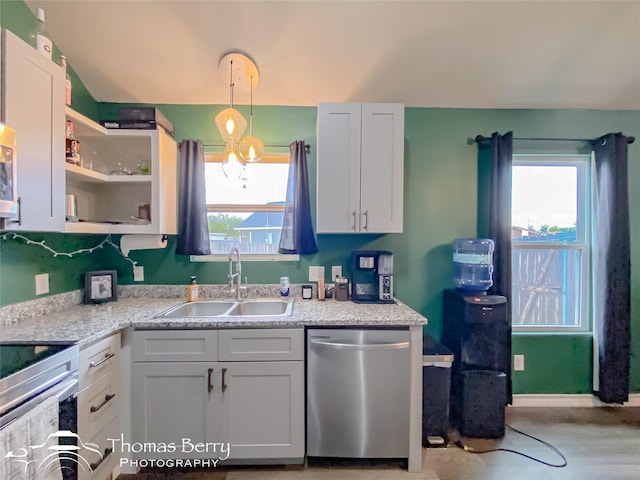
{"x": 231, "y": 125}
{"x": 230, "y": 122}
{"x": 231, "y": 164}
{"x": 251, "y": 149}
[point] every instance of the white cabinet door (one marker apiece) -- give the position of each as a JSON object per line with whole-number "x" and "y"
{"x": 262, "y": 409}
{"x": 338, "y": 168}
{"x": 165, "y": 192}
{"x": 360, "y": 168}
{"x": 33, "y": 96}
{"x": 172, "y": 404}
{"x": 382, "y": 168}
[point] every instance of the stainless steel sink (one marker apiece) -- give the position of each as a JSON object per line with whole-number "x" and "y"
{"x": 263, "y": 307}
{"x": 198, "y": 309}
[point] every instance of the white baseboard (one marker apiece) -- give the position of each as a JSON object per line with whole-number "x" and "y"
{"x": 568, "y": 400}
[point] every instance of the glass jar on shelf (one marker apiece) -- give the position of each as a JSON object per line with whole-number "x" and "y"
{"x": 143, "y": 168}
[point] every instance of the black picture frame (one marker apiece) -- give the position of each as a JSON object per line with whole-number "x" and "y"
{"x": 100, "y": 286}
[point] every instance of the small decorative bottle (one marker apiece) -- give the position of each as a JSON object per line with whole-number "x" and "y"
{"x": 67, "y": 81}
{"x": 72, "y": 146}
{"x": 192, "y": 290}
{"x": 39, "y": 38}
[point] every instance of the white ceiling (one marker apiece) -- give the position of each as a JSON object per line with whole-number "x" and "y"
{"x": 483, "y": 54}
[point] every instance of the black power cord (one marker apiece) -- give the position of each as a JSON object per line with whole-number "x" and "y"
{"x": 469, "y": 449}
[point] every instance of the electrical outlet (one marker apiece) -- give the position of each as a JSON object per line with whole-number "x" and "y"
{"x": 42, "y": 284}
{"x": 316, "y": 273}
{"x": 518, "y": 363}
{"x": 138, "y": 274}
{"x": 336, "y": 271}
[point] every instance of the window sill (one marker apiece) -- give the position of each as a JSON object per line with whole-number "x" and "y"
{"x": 540, "y": 333}
{"x": 246, "y": 257}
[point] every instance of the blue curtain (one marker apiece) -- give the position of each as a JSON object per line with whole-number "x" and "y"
{"x": 498, "y": 153}
{"x": 193, "y": 227}
{"x": 297, "y": 231}
{"x": 500, "y": 212}
{"x": 611, "y": 268}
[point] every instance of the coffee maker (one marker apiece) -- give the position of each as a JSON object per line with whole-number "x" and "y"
{"x": 372, "y": 272}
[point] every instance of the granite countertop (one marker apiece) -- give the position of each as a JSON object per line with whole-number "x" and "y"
{"x": 87, "y": 323}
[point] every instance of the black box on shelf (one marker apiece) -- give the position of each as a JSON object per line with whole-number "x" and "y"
{"x": 143, "y": 116}
{"x": 133, "y": 124}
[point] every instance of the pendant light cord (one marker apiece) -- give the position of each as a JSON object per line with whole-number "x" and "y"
{"x": 231, "y": 84}
{"x": 251, "y": 109}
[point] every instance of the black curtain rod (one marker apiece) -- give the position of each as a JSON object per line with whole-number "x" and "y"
{"x": 307, "y": 147}
{"x": 482, "y": 138}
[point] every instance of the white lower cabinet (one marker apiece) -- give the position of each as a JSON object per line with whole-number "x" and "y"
{"x": 172, "y": 407}
{"x": 99, "y": 407}
{"x": 214, "y": 409}
{"x": 262, "y": 409}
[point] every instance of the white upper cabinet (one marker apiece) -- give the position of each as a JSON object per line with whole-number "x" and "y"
{"x": 360, "y": 167}
{"x": 33, "y": 105}
{"x": 109, "y": 201}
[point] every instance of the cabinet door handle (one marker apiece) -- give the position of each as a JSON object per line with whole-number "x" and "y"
{"x": 107, "y": 356}
{"x": 366, "y": 220}
{"x": 107, "y": 398}
{"x": 209, "y": 385}
{"x": 224, "y": 386}
{"x": 95, "y": 465}
{"x": 353, "y": 226}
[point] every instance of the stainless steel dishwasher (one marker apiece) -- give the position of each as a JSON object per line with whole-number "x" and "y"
{"x": 358, "y": 383}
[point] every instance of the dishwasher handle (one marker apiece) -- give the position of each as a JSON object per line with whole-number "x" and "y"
{"x": 360, "y": 346}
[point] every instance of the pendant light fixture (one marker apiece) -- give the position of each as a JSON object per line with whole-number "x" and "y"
{"x": 251, "y": 148}
{"x": 231, "y": 165}
{"x": 230, "y": 122}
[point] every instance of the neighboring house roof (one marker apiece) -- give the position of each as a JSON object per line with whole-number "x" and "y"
{"x": 262, "y": 221}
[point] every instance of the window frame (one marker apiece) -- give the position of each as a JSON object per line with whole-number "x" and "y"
{"x": 584, "y": 237}
{"x": 250, "y": 207}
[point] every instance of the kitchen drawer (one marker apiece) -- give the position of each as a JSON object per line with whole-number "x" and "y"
{"x": 175, "y": 345}
{"x": 98, "y": 404}
{"x": 101, "y": 465}
{"x": 98, "y": 359}
{"x": 261, "y": 345}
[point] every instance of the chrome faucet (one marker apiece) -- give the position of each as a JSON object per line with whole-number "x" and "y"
{"x": 237, "y": 275}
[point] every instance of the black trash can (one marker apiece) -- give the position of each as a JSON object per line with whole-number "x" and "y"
{"x": 436, "y": 384}
{"x": 483, "y": 403}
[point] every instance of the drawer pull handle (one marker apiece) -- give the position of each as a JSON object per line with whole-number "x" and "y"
{"x": 353, "y": 225}
{"x": 209, "y": 386}
{"x": 224, "y": 386}
{"x": 95, "y": 465}
{"x": 366, "y": 220}
{"x": 107, "y": 356}
{"x": 107, "y": 398}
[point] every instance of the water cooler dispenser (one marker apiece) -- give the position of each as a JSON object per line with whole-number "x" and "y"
{"x": 477, "y": 330}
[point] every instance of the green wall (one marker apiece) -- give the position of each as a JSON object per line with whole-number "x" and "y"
{"x": 441, "y": 203}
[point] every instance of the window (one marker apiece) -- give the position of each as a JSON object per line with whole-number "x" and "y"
{"x": 550, "y": 242}
{"x": 247, "y": 212}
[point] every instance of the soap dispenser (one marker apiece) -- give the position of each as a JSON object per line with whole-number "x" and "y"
{"x": 192, "y": 290}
